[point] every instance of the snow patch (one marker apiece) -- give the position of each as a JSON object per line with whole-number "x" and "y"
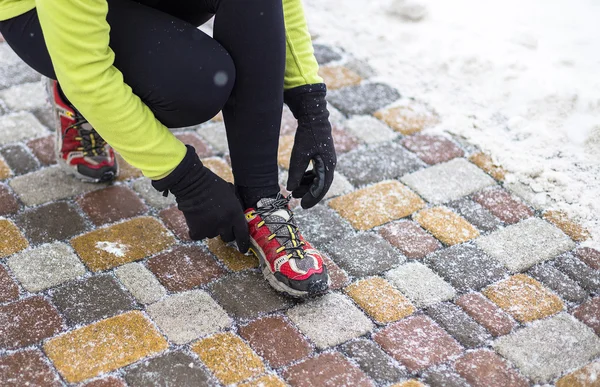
{"x": 114, "y": 248}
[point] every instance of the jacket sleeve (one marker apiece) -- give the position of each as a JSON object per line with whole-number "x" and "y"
{"x": 77, "y": 36}
{"x": 301, "y": 66}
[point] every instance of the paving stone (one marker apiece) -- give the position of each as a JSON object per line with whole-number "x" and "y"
{"x": 448, "y": 181}
{"x": 525, "y": 244}
{"x": 265, "y": 381}
{"x": 19, "y": 126}
{"x": 48, "y": 185}
{"x": 104, "y": 346}
{"x": 8, "y": 201}
{"x": 408, "y": 119}
{"x": 111, "y": 204}
{"x": 109, "y": 247}
{"x": 336, "y": 77}
{"x": 589, "y": 256}
{"x": 46, "y": 266}
{"x": 9, "y": 290}
{"x": 284, "y": 152}
{"x": 325, "y": 54}
{"x": 409, "y": 383}
{"x": 466, "y": 267}
{"x": 330, "y": 369}
{"x": 202, "y": 148}
{"x": 175, "y": 221}
{"x": 444, "y": 377}
{"x": 219, "y": 167}
{"x": 486, "y": 313}
{"x": 373, "y": 361}
{"x": 186, "y": 316}
{"x": 339, "y": 186}
{"x": 330, "y": 320}
{"x": 589, "y": 313}
{"x": 588, "y": 278}
{"x": 410, "y": 239}
{"x": 27, "y": 321}
{"x": 216, "y": 136}
{"x": 432, "y": 149}
{"x": 369, "y": 129}
{"x": 154, "y": 198}
{"x": 418, "y": 343}
{"x": 126, "y": 170}
{"x": 289, "y": 123}
{"x": 229, "y": 358}
{"x": 25, "y": 96}
{"x": 276, "y": 341}
{"x": 558, "y": 282}
{"x": 420, "y": 284}
{"x": 376, "y": 205}
{"x": 365, "y": 98}
{"x": 377, "y": 162}
{"x": 321, "y": 224}
{"x": 503, "y": 205}
{"x": 584, "y": 377}
{"x": 19, "y": 159}
{"x": 524, "y": 191}
{"x": 185, "y": 268}
{"x": 546, "y": 348}
{"x": 475, "y": 214}
{"x": 5, "y": 171}
{"x": 380, "y": 300}
{"x": 337, "y": 277}
{"x": 486, "y": 163}
{"x": 170, "y": 369}
{"x": 561, "y": 220}
{"x": 343, "y": 140}
{"x": 484, "y": 368}
{"x": 231, "y": 257}
{"x": 140, "y": 282}
{"x": 110, "y": 381}
{"x": 43, "y": 149}
{"x": 456, "y": 322}
{"x": 51, "y": 222}
{"x": 11, "y": 239}
{"x": 13, "y": 70}
{"x": 27, "y": 368}
{"x": 446, "y": 225}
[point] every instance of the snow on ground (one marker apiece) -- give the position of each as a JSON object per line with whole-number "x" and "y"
{"x": 519, "y": 79}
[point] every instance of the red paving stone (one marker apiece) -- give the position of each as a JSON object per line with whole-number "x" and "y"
{"x": 486, "y": 313}
{"x": 8, "y": 201}
{"x": 410, "y": 239}
{"x": 326, "y": 370}
{"x": 175, "y": 221}
{"x": 432, "y": 149}
{"x": 484, "y": 368}
{"x": 589, "y": 313}
{"x": 43, "y": 149}
{"x": 338, "y": 277}
{"x": 202, "y": 148}
{"x": 276, "y": 340}
{"x": 589, "y": 256}
{"x": 9, "y": 290}
{"x": 27, "y": 368}
{"x": 111, "y": 204}
{"x": 343, "y": 141}
{"x": 503, "y": 205}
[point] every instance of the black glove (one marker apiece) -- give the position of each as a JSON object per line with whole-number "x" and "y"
{"x": 313, "y": 142}
{"x": 209, "y": 203}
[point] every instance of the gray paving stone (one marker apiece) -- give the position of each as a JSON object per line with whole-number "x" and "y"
{"x": 49, "y": 184}
{"x": 330, "y": 320}
{"x": 466, "y": 267}
{"x": 585, "y": 276}
{"x": 361, "y": 67}
{"x": 546, "y": 348}
{"x": 475, "y": 214}
{"x": 140, "y": 282}
{"x": 215, "y": 134}
{"x": 247, "y": 295}
{"x": 369, "y": 129}
{"x": 51, "y": 222}
{"x": 373, "y": 163}
{"x": 459, "y": 324}
{"x": 526, "y": 243}
{"x": 171, "y": 369}
{"x": 364, "y": 254}
{"x": 321, "y": 224}
{"x": 20, "y": 126}
{"x": 373, "y": 361}
{"x": 325, "y": 54}
{"x": 19, "y": 159}
{"x": 27, "y": 96}
{"x": 184, "y": 317}
{"x": 444, "y": 377}
{"x": 448, "y": 181}
{"x": 92, "y": 299}
{"x": 46, "y": 266}
{"x": 420, "y": 284}
{"x": 13, "y": 70}
{"x": 538, "y": 200}
{"x": 558, "y": 282}
{"x": 339, "y": 186}
{"x": 365, "y": 98}
{"x": 154, "y": 198}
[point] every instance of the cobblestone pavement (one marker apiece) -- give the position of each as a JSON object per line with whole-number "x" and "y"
{"x": 442, "y": 275}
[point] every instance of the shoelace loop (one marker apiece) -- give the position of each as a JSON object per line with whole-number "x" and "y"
{"x": 271, "y": 208}
{"x": 91, "y": 141}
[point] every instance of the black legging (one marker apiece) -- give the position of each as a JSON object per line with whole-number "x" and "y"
{"x": 166, "y": 60}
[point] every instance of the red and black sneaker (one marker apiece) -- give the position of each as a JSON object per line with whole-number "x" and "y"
{"x": 79, "y": 148}
{"x": 288, "y": 261}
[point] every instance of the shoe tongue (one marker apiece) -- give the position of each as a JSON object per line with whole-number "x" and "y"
{"x": 282, "y": 213}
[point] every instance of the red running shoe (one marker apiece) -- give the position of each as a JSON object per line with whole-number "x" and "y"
{"x": 288, "y": 261}
{"x": 79, "y": 148}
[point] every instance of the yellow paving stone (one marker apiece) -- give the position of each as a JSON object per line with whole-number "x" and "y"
{"x": 126, "y": 170}
{"x": 524, "y": 298}
{"x": 4, "y": 170}
{"x": 408, "y": 119}
{"x": 336, "y": 77}
{"x": 409, "y": 383}
{"x": 572, "y": 229}
{"x": 233, "y": 259}
{"x": 218, "y": 117}
{"x": 380, "y": 300}
{"x": 219, "y": 167}
{"x": 286, "y": 143}
{"x": 588, "y": 376}
{"x": 265, "y": 381}
{"x": 11, "y": 239}
{"x": 378, "y": 204}
{"x": 122, "y": 243}
{"x": 486, "y": 163}
{"x": 104, "y": 346}
{"x": 229, "y": 358}
{"x": 446, "y": 225}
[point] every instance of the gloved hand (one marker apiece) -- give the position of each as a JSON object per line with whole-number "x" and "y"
{"x": 313, "y": 142}
{"x": 209, "y": 203}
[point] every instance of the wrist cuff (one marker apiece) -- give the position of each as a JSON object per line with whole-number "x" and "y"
{"x": 190, "y": 161}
